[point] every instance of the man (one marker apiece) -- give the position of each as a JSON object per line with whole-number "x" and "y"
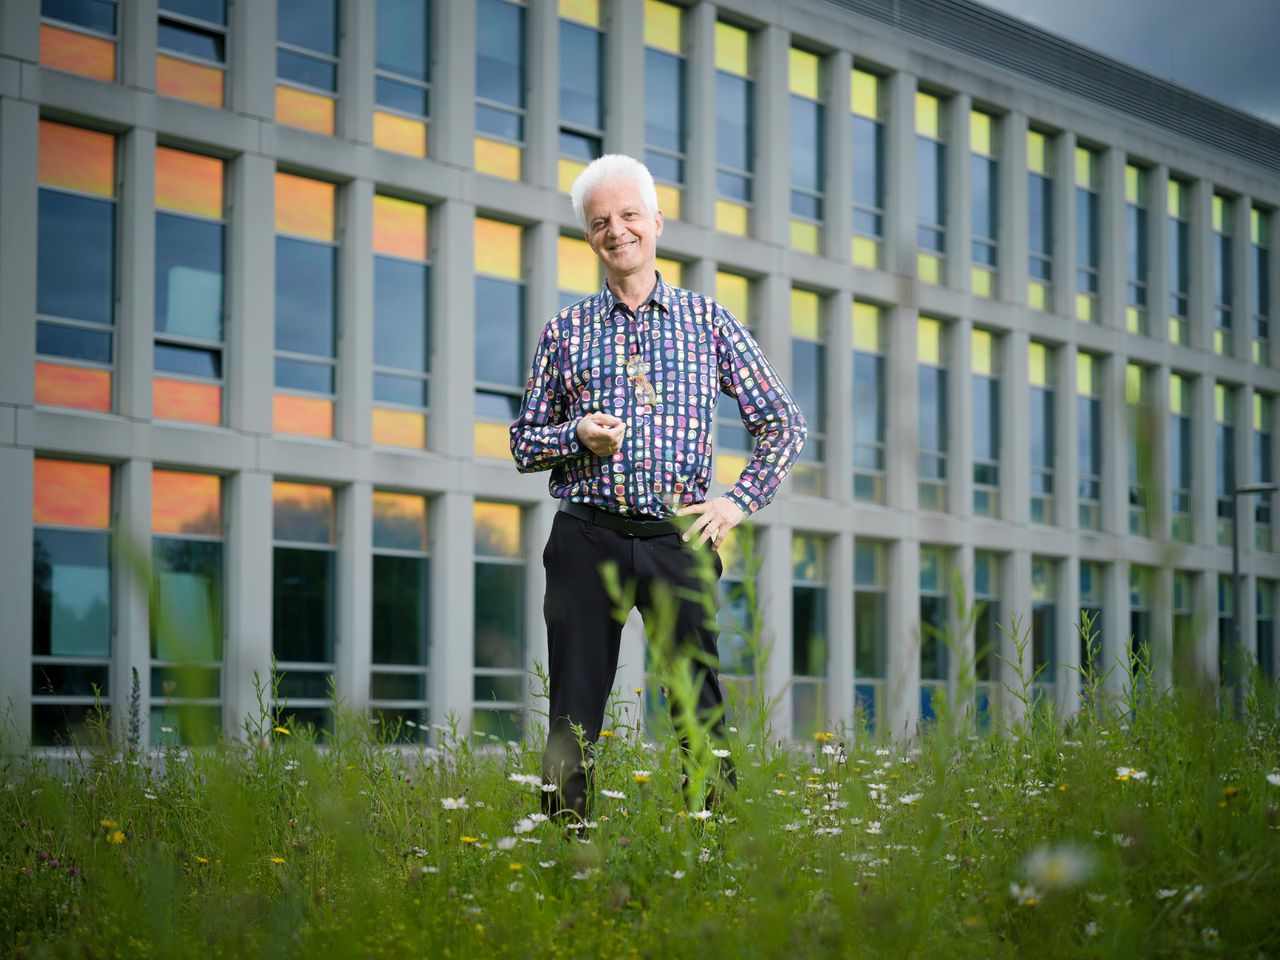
{"x": 620, "y": 406}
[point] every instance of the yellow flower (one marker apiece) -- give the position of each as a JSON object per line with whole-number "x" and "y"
{"x": 1064, "y": 787}
{"x": 824, "y": 736}
{"x": 1230, "y": 790}
{"x": 108, "y": 824}
{"x": 284, "y": 730}
{"x": 515, "y": 867}
{"x": 641, "y": 777}
{"x": 606, "y": 733}
{"x": 638, "y": 690}
{"x": 115, "y": 836}
{"x": 200, "y": 860}
{"x": 469, "y": 839}
{"x": 276, "y": 860}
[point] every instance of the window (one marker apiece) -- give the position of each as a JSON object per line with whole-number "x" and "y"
{"x": 1141, "y": 582}
{"x": 401, "y": 647}
{"x": 75, "y": 267}
{"x": 72, "y": 616}
{"x": 402, "y": 76}
{"x": 1135, "y": 248}
{"x": 735, "y": 130}
{"x": 933, "y": 425}
{"x": 931, "y": 188}
{"x": 870, "y": 632}
{"x": 1089, "y": 441}
{"x": 810, "y": 646}
{"x": 1179, "y": 244}
{"x": 1092, "y": 599}
{"x": 733, "y": 445}
{"x": 985, "y": 368}
{"x": 501, "y": 367}
{"x": 500, "y": 88}
{"x": 1039, "y": 221}
{"x": 984, "y": 196}
{"x": 499, "y": 684}
{"x": 307, "y": 64}
{"x": 401, "y": 322}
{"x": 581, "y": 87}
{"x": 1263, "y": 418}
{"x": 190, "y": 298}
{"x": 986, "y": 633}
{"x": 186, "y": 607}
{"x": 1226, "y": 630}
{"x": 1043, "y": 434}
{"x": 870, "y": 405}
{"x": 1185, "y": 666}
{"x": 1223, "y": 270}
{"x": 672, "y": 271}
{"x": 808, "y": 145}
{"x": 303, "y": 588}
{"x": 935, "y": 625}
{"x": 735, "y": 618}
{"x": 868, "y": 168}
{"x": 1180, "y": 454}
{"x": 1260, "y": 235}
{"x": 809, "y": 379}
{"x": 664, "y": 102}
{"x": 306, "y": 306}
{"x": 1044, "y": 624}
{"x": 1265, "y": 627}
{"x": 79, "y": 36}
{"x": 1224, "y": 410}
{"x": 191, "y": 59}
{"x": 1088, "y": 234}
{"x": 1140, "y": 427}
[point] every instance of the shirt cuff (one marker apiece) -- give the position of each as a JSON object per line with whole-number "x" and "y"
{"x": 739, "y": 498}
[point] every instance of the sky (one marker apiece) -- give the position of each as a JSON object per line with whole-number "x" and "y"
{"x": 1226, "y": 49}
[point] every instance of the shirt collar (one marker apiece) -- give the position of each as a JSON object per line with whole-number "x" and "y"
{"x": 660, "y": 296}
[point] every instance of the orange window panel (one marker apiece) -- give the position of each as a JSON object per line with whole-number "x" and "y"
{"x": 497, "y": 528}
{"x": 77, "y": 53}
{"x": 186, "y": 503}
{"x": 82, "y": 387}
{"x": 399, "y": 227}
{"x": 307, "y": 111}
{"x": 304, "y": 207}
{"x": 184, "y": 400}
{"x": 492, "y": 440}
{"x": 497, "y": 159}
{"x": 302, "y": 512}
{"x": 189, "y": 182}
{"x": 579, "y": 267}
{"x": 72, "y": 494}
{"x": 399, "y": 520}
{"x": 399, "y": 134}
{"x": 498, "y": 249}
{"x": 399, "y": 428}
{"x": 185, "y": 80}
{"x": 302, "y": 416}
{"x": 77, "y": 159}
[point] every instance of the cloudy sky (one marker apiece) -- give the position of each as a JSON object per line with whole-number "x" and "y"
{"x": 1226, "y": 49}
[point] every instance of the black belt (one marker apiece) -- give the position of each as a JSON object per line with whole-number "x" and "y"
{"x": 612, "y": 521}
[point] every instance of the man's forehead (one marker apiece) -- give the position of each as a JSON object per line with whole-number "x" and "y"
{"x": 614, "y": 193}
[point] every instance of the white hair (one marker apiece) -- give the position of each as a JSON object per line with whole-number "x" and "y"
{"x": 612, "y": 166}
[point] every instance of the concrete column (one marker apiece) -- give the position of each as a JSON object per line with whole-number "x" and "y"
{"x": 452, "y": 622}
{"x": 839, "y": 312}
{"x": 1067, "y": 680}
{"x": 542, "y": 293}
{"x": 542, "y": 122}
{"x": 353, "y": 650}
{"x": 132, "y": 587}
{"x": 903, "y": 425}
{"x": 138, "y": 29}
{"x": 1017, "y": 594}
{"x": 16, "y": 480}
{"x": 1111, "y": 255}
{"x": 1066, "y": 417}
{"x": 773, "y": 158}
{"x": 135, "y": 317}
{"x": 1115, "y": 447}
{"x": 624, "y": 79}
{"x": 251, "y": 295}
{"x": 957, "y": 356}
{"x": 251, "y": 59}
{"x": 356, "y": 72}
{"x": 773, "y": 582}
{"x": 1158, "y": 254}
{"x": 1242, "y": 305}
{"x": 1012, "y": 230}
{"x": 959, "y": 191}
{"x": 902, "y": 707}
{"x": 1200, "y": 300}
{"x": 355, "y": 312}
{"x": 19, "y": 137}
{"x": 699, "y": 205}
{"x": 900, "y": 184}
{"x": 453, "y": 356}
{"x": 700, "y": 275}
{"x": 839, "y": 159}
{"x": 1015, "y": 429}
{"x": 20, "y": 30}
{"x": 840, "y": 660}
{"x": 1063, "y": 148}
{"x": 249, "y": 595}
{"x": 453, "y": 90}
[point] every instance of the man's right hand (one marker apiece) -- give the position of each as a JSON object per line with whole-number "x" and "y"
{"x": 601, "y": 433}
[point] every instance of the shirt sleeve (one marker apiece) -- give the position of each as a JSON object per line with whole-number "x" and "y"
{"x": 768, "y": 412}
{"x": 542, "y": 437}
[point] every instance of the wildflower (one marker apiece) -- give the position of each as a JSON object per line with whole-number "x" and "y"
{"x": 546, "y": 864}
{"x": 528, "y": 779}
{"x": 468, "y": 839}
{"x": 108, "y": 824}
{"x": 199, "y": 859}
{"x": 1230, "y": 790}
{"x": 538, "y": 817}
{"x": 704, "y": 855}
{"x": 1122, "y": 840}
{"x": 115, "y": 836}
{"x": 584, "y": 874}
{"x": 1164, "y": 893}
{"x": 1194, "y": 895}
{"x": 1027, "y": 896}
{"x": 641, "y": 776}
{"x": 613, "y": 794}
{"x": 454, "y": 803}
{"x": 1091, "y": 929}
{"x": 1209, "y": 936}
{"x": 824, "y": 736}
{"x": 702, "y": 815}
{"x": 637, "y": 690}
{"x": 910, "y": 798}
{"x": 506, "y": 843}
{"x": 515, "y": 867}
{"x": 278, "y": 861}
{"x": 606, "y": 733}
{"x": 677, "y": 874}
{"x": 1058, "y": 868}
{"x": 720, "y": 753}
{"x": 549, "y": 788}
{"x": 427, "y": 870}
{"x": 523, "y": 825}
{"x": 283, "y": 730}
{"x": 882, "y": 752}
{"x": 729, "y": 893}
{"x": 873, "y": 826}
{"x": 1129, "y": 773}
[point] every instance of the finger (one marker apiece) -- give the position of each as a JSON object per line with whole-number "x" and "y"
{"x": 709, "y": 533}
{"x": 691, "y": 509}
{"x": 608, "y": 420}
{"x": 697, "y": 526}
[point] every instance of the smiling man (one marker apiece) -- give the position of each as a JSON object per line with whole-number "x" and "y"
{"x": 620, "y": 406}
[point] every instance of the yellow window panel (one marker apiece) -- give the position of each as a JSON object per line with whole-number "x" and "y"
{"x": 497, "y": 529}
{"x": 729, "y": 467}
{"x": 577, "y": 266}
{"x": 1177, "y": 199}
{"x": 399, "y": 227}
{"x": 189, "y": 183}
{"x": 867, "y": 327}
{"x": 305, "y": 110}
{"x": 584, "y": 11}
{"x": 1037, "y": 153}
{"x": 400, "y": 521}
{"x": 929, "y": 341}
{"x": 305, "y": 207}
{"x": 806, "y": 320}
{"x": 302, "y": 512}
{"x": 734, "y": 293}
{"x": 302, "y": 416}
{"x": 498, "y": 159}
{"x": 1177, "y": 331}
{"x": 803, "y": 73}
{"x": 1135, "y": 384}
{"x": 733, "y": 46}
{"x": 734, "y": 218}
{"x": 85, "y": 388}
{"x": 864, "y": 93}
{"x": 866, "y": 252}
{"x": 982, "y": 281}
{"x": 668, "y": 201}
{"x": 1038, "y": 295}
{"x": 68, "y": 493}
{"x": 76, "y": 158}
{"x": 1037, "y": 364}
{"x": 1086, "y": 168}
{"x": 927, "y": 116}
{"x": 672, "y": 271}
{"x": 186, "y": 503}
{"x": 929, "y": 268}
{"x": 1177, "y": 394}
{"x": 498, "y": 250}
{"x": 399, "y": 428}
{"x": 663, "y": 26}
{"x": 1135, "y": 319}
{"x": 186, "y": 400}
{"x": 492, "y": 440}
{"x": 1221, "y": 215}
{"x": 1085, "y": 374}
{"x": 398, "y": 134}
{"x": 567, "y": 171}
{"x": 1086, "y": 308}
{"x": 980, "y": 133}
{"x": 982, "y": 353}
{"x": 805, "y": 236}
{"x": 1135, "y": 185}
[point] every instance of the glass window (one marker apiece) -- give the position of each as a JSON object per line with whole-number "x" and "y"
{"x": 501, "y": 361}
{"x": 1141, "y": 585}
{"x": 1043, "y": 435}
{"x": 72, "y": 615}
{"x": 986, "y": 635}
{"x": 190, "y": 287}
{"x": 1184, "y": 629}
{"x": 1263, "y": 421}
{"x": 1226, "y": 630}
{"x": 1265, "y": 626}
{"x": 931, "y": 187}
{"x": 735, "y": 129}
{"x": 1088, "y": 233}
{"x": 736, "y": 616}
{"x": 665, "y": 107}
{"x": 578, "y": 270}
{"x": 1260, "y": 273}
{"x": 1180, "y": 454}
{"x": 1223, "y": 273}
{"x": 1044, "y": 624}
{"x": 870, "y": 632}
{"x": 500, "y": 88}
{"x": 1089, "y": 440}
{"x": 984, "y": 187}
{"x": 733, "y": 445}
{"x": 79, "y": 36}
{"x": 1179, "y": 253}
{"x": 499, "y": 678}
{"x": 809, "y": 379}
{"x": 867, "y": 98}
{"x": 581, "y": 87}
{"x": 1092, "y": 598}
{"x": 192, "y": 51}
{"x": 402, "y": 76}
{"x": 1135, "y": 247}
{"x": 401, "y": 647}
{"x": 985, "y": 383}
{"x": 186, "y": 607}
{"x": 75, "y": 267}
{"x": 870, "y": 402}
{"x": 1140, "y": 427}
{"x": 306, "y": 306}
{"x": 810, "y": 646}
{"x": 933, "y": 424}
{"x": 307, "y": 64}
{"x": 401, "y": 322}
{"x": 935, "y": 624}
{"x": 1039, "y": 220}
{"x": 807, "y": 138}
{"x": 1224, "y": 410}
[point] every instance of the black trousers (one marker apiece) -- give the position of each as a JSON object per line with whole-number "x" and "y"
{"x": 583, "y": 637}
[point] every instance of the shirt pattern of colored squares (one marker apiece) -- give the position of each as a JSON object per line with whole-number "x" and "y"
{"x": 80, "y": 37}
{"x": 589, "y": 358}
{"x": 75, "y": 267}
{"x": 500, "y": 354}
{"x": 402, "y": 77}
{"x": 665, "y": 118}
{"x": 72, "y": 611}
{"x": 581, "y": 88}
{"x": 307, "y": 64}
{"x": 500, "y": 88}
{"x": 192, "y": 56}
{"x": 401, "y": 647}
{"x": 306, "y": 306}
{"x": 401, "y": 322}
{"x": 735, "y": 129}
{"x": 189, "y": 295}
{"x": 867, "y": 100}
{"x": 808, "y": 145}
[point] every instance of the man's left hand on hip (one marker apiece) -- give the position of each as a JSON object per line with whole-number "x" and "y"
{"x": 717, "y": 518}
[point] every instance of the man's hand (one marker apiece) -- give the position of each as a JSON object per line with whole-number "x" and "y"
{"x": 718, "y": 517}
{"x": 601, "y": 433}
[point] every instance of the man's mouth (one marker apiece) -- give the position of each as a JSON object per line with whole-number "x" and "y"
{"x": 622, "y": 246}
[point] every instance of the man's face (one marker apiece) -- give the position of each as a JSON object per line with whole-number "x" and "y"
{"x": 620, "y": 228}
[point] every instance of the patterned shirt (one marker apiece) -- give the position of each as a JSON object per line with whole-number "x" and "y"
{"x": 691, "y": 349}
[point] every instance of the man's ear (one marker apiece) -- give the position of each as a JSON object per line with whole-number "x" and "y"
{"x": 657, "y": 218}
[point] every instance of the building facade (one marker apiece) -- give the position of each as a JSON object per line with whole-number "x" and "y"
{"x": 271, "y": 274}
